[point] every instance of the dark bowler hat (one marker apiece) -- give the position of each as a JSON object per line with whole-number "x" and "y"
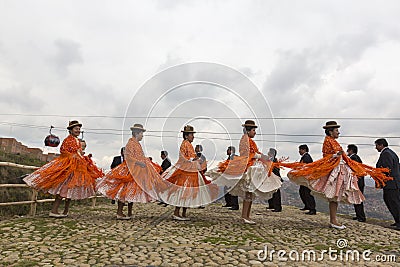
{"x": 138, "y": 126}
{"x": 249, "y": 123}
{"x": 188, "y": 129}
{"x": 72, "y": 124}
{"x": 331, "y": 124}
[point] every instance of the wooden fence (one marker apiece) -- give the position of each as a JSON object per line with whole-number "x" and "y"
{"x": 34, "y": 201}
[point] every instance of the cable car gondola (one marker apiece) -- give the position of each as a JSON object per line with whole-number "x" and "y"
{"x": 52, "y": 140}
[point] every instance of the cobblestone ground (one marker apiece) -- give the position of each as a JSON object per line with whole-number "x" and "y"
{"x": 215, "y": 236}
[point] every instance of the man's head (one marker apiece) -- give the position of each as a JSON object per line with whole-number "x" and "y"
{"x": 83, "y": 144}
{"x": 164, "y": 154}
{"x": 230, "y": 150}
{"x": 303, "y": 149}
{"x": 272, "y": 153}
{"x": 198, "y": 148}
{"x": 380, "y": 144}
{"x": 352, "y": 149}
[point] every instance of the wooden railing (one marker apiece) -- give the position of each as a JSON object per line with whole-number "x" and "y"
{"x": 34, "y": 201}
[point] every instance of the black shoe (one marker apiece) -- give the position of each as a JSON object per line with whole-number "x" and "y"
{"x": 361, "y": 220}
{"x": 311, "y": 212}
{"x": 276, "y": 210}
{"x": 201, "y": 207}
{"x": 270, "y": 208}
{"x": 393, "y": 224}
{"x": 165, "y": 204}
{"x": 233, "y": 208}
{"x": 355, "y": 218}
{"x": 112, "y": 201}
{"x": 226, "y": 206}
{"x": 397, "y": 228}
{"x": 304, "y": 208}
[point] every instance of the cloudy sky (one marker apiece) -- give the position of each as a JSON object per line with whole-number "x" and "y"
{"x": 290, "y": 65}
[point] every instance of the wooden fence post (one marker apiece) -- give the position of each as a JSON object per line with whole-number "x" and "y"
{"x": 34, "y": 204}
{"x": 94, "y": 201}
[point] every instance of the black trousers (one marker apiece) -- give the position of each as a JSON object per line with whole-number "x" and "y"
{"x": 392, "y": 201}
{"x": 307, "y": 198}
{"x": 359, "y": 208}
{"x": 276, "y": 201}
{"x": 231, "y": 201}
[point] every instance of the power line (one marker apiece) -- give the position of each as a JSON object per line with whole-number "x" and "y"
{"x": 120, "y": 132}
{"x": 188, "y": 117}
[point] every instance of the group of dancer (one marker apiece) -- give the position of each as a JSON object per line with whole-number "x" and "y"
{"x": 186, "y": 185}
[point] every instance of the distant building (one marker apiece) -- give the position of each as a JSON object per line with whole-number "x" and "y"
{"x": 11, "y": 145}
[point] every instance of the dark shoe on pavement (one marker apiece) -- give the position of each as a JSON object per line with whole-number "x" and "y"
{"x": 304, "y": 208}
{"x": 311, "y": 212}
{"x": 276, "y": 210}
{"x": 361, "y": 219}
{"x": 234, "y": 208}
{"x": 355, "y": 218}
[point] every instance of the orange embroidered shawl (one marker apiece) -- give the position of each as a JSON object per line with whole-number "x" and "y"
{"x": 71, "y": 145}
{"x": 186, "y": 153}
{"x": 146, "y": 177}
{"x": 240, "y": 164}
{"x": 324, "y": 166}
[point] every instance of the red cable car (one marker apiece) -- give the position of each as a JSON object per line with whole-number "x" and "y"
{"x": 51, "y": 140}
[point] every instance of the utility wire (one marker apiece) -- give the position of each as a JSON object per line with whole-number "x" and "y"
{"x": 188, "y": 117}
{"x": 119, "y": 132}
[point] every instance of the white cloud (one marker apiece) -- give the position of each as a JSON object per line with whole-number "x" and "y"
{"x": 312, "y": 59}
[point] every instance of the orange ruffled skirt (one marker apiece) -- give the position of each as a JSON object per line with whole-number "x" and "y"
{"x": 69, "y": 176}
{"x": 239, "y": 180}
{"x": 188, "y": 189}
{"x": 120, "y": 185}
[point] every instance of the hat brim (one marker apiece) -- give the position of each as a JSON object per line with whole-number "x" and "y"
{"x": 331, "y": 126}
{"x": 249, "y": 125}
{"x": 137, "y": 128}
{"x": 73, "y": 125}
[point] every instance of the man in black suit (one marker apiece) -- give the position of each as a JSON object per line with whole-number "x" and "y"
{"x": 118, "y": 159}
{"x": 359, "y": 208}
{"x": 232, "y": 202}
{"x": 203, "y": 160}
{"x": 391, "y": 191}
{"x": 304, "y": 191}
{"x": 275, "y": 203}
{"x": 166, "y": 162}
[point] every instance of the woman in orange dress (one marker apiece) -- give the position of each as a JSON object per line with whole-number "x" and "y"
{"x": 69, "y": 176}
{"x": 187, "y": 188}
{"x": 334, "y": 177}
{"x": 248, "y": 174}
{"x": 134, "y": 180}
